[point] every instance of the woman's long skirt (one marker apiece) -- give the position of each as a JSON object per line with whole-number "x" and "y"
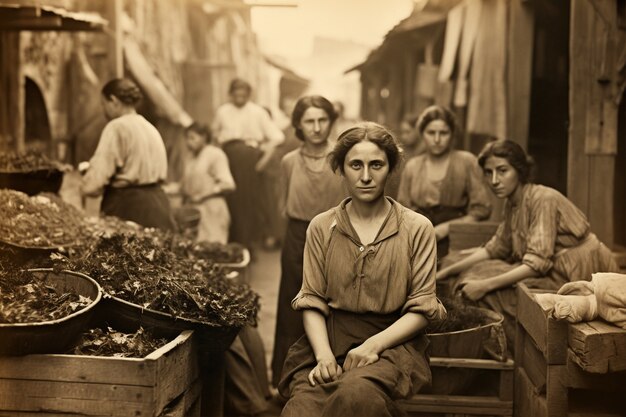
{"x": 244, "y": 202}
{"x": 372, "y": 390}
{"x": 289, "y": 327}
{"x": 146, "y": 205}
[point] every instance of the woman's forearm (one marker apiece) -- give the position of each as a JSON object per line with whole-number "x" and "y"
{"x": 315, "y": 329}
{"x": 403, "y": 329}
{"x": 511, "y": 277}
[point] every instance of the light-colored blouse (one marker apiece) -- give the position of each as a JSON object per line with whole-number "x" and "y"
{"x": 307, "y": 193}
{"x": 250, "y": 123}
{"x": 207, "y": 173}
{"x": 130, "y": 152}
{"x": 540, "y": 226}
{"x": 395, "y": 273}
{"x": 462, "y": 187}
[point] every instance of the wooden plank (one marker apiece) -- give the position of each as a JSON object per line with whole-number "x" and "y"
{"x": 187, "y": 405}
{"x": 549, "y": 335}
{"x": 580, "y": 379}
{"x": 556, "y": 392}
{"x": 73, "y": 368}
{"x": 602, "y": 179}
{"x": 579, "y": 78}
{"x": 598, "y": 347}
{"x": 505, "y": 389}
{"x": 471, "y": 363}
{"x": 535, "y": 366}
{"x": 527, "y": 402}
{"x": 177, "y": 368}
{"x": 457, "y": 404}
{"x": 85, "y": 407}
{"x": 26, "y": 395}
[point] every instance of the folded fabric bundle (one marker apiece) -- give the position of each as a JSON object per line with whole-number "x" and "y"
{"x": 604, "y": 296}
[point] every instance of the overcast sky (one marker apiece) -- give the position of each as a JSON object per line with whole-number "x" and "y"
{"x": 290, "y": 31}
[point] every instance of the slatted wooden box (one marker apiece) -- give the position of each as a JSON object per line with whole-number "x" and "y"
{"x": 567, "y": 369}
{"x": 58, "y": 385}
{"x": 498, "y": 404}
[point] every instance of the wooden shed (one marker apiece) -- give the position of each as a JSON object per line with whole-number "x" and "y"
{"x": 548, "y": 74}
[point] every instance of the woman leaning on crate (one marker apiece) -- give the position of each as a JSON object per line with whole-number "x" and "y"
{"x": 544, "y": 237}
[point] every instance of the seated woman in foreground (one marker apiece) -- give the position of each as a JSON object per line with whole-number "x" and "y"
{"x": 544, "y": 237}
{"x": 368, "y": 292}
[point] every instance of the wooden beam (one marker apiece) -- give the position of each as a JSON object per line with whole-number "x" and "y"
{"x": 34, "y": 23}
{"x": 520, "y": 67}
{"x": 471, "y": 363}
{"x": 114, "y": 10}
{"x": 578, "y": 186}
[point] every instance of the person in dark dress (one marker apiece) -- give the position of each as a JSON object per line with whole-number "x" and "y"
{"x": 309, "y": 187}
{"x": 249, "y": 138}
{"x": 368, "y": 292}
{"x": 444, "y": 184}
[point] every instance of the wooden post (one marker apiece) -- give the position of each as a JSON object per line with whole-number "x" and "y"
{"x": 520, "y": 66}
{"x": 114, "y": 10}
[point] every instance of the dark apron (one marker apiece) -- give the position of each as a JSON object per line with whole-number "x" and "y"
{"x": 399, "y": 373}
{"x": 246, "y": 202}
{"x": 289, "y": 327}
{"x": 438, "y": 215}
{"x": 146, "y": 205}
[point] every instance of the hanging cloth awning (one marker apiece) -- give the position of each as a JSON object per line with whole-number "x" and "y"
{"x": 15, "y": 17}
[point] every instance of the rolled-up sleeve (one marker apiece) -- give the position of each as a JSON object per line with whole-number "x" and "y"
{"x": 103, "y": 163}
{"x": 479, "y": 203}
{"x": 314, "y": 283}
{"x": 541, "y": 235}
{"x": 422, "y": 298}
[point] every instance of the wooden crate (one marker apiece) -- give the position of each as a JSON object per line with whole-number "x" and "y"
{"x": 467, "y": 405}
{"x": 52, "y": 385}
{"x": 470, "y": 235}
{"x": 554, "y": 358}
{"x": 187, "y": 405}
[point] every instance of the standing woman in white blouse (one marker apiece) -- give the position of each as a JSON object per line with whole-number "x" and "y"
{"x": 248, "y": 137}
{"x": 130, "y": 162}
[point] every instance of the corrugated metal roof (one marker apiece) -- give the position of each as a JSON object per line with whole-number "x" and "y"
{"x": 40, "y": 17}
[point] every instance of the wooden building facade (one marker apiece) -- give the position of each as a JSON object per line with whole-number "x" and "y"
{"x": 57, "y": 54}
{"x": 548, "y": 74}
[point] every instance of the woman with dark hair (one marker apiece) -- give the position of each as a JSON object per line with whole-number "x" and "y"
{"x": 544, "y": 236}
{"x": 443, "y": 184}
{"x": 248, "y": 136}
{"x": 130, "y": 162}
{"x": 309, "y": 187}
{"x": 207, "y": 179}
{"x": 367, "y": 294}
